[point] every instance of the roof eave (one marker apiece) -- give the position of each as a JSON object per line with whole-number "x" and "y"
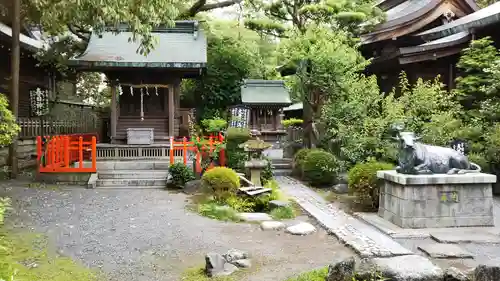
{"x": 432, "y": 47}
{"x": 113, "y": 64}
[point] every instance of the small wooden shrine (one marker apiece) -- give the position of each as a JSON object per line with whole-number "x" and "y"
{"x": 145, "y": 104}
{"x": 265, "y": 100}
{"x": 398, "y": 45}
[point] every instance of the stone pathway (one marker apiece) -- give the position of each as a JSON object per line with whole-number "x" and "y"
{"x": 363, "y": 239}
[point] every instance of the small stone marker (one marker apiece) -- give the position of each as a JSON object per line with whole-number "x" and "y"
{"x": 443, "y": 251}
{"x": 244, "y": 263}
{"x": 465, "y": 237}
{"x": 487, "y": 273}
{"x": 341, "y": 269}
{"x": 453, "y": 274}
{"x": 408, "y": 268}
{"x": 234, "y": 255}
{"x": 302, "y": 228}
{"x": 277, "y": 204}
{"x": 215, "y": 265}
{"x": 255, "y": 217}
{"x": 272, "y": 225}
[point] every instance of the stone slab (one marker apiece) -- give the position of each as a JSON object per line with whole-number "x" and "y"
{"x": 465, "y": 237}
{"x": 255, "y": 217}
{"x": 409, "y": 233}
{"x": 433, "y": 179}
{"x": 365, "y": 240}
{"x": 444, "y": 251}
{"x": 408, "y": 268}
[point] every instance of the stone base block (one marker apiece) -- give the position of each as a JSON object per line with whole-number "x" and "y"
{"x": 434, "y": 201}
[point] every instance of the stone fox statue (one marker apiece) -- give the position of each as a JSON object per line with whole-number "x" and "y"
{"x": 419, "y": 158}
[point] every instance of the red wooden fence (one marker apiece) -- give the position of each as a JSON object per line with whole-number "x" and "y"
{"x": 57, "y": 154}
{"x": 186, "y": 146}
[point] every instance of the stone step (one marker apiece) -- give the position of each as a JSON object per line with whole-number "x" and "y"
{"x": 133, "y": 165}
{"x": 133, "y": 174}
{"x": 132, "y": 183}
{"x": 282, "y": 172}
{"x": 132, "y": 187}
{"x": 281, "y": 160}
{"x": 279, "y": 166}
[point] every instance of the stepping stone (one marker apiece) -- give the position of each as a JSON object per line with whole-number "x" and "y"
{"x": 277, "y": 204}
{"x": 408, "y": 268}
{"x": 465, "y": 237}
{"x": 302, "y": 228}
{"x": 255, "y": 217}
{"x": 272, "y": 225}
{"x": 444, "y": 251}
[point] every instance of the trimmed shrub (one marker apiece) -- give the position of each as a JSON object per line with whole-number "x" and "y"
{"x": 320, "y": 167}
{"x": 214, "y": 125}
{"x": 224, "y": 182}
{"x": 298, "y": 161}
{"x": 362, "y": 180}
{"x": 292, "y": 122}
{"x": 267, "y": 173}
{"x": 180, "y": 174}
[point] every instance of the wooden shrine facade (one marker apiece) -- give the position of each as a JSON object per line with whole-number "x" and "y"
{"x": 146, "y": 89}
{"x": 265, "y": 100}
{"x": 398, "y": 44}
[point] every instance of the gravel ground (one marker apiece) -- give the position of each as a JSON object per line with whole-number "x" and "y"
{"x": 148, "y": 235}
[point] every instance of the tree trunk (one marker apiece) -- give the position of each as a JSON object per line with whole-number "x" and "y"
{"x": 14, "y": 89}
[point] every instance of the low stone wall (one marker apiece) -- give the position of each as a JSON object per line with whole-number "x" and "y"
{"x": 431, "y": 201}
{"x": 64, "y": 178}
{"x": 26, "y": 154}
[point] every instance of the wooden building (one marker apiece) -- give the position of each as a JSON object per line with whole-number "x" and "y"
{"x": 266, "y": 100}
{"x": 146, "y": 88}
{"x": 398, "y": 44}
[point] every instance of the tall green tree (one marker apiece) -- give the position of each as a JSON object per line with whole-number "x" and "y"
{"x": 278, "y": 17}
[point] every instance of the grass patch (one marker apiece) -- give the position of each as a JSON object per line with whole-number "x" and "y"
{"x": 198, "y": 274}
{"x": 24, "y": 257}
{"x": 215, "y": 211}
{"x": 314, "y": 275}
{"x": 283, "y": 213}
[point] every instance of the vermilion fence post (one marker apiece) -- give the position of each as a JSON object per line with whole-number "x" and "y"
{"x": 171, "y": 150}
{"x": 38, "y": 149}
{"x": 67, "y": 151}
{"x": 94, "y": 153}
{"x": 53, "y": 152}
{"x": 184, "y": 150}
{"x": 198, "y": 157}
{"x": 80, "y": 152}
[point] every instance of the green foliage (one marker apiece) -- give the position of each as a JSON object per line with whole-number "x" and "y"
{"x": 322, "y": 273}
{"x": 292, "y": 122}
{"x": 214, "y": 125}
{"x": 8, "y": 126}
{"x": 362, "y": 179}
{"x": 267, "y": 173}
{"x": 224, "y": 182}
{"x": 262, "y": 201}
{"x": 4, "y": 207}
{"x": 320, "y": 168}
{"x": 472, "y": 85}
{"x": 180, "y": 174}
{"x": 275, "y": 17}
{"x": 240, "y": 204}
{"x": 235, "y": 155}
{"x": 282, "y": 213}
{"x": 214, "y": 210}
{"x": 298, "y": 161}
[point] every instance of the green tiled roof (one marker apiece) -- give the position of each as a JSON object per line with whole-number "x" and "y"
{"x": 265, "y": 92}
{"x": 183, "y": 46}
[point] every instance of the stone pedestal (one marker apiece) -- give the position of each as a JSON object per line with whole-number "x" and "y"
{"x": 255, "y": 167}
{"x": 433, "y": 201}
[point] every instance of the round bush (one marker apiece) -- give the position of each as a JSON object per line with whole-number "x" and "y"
{"x": 362, "y": 180}
{"x": 180, "y": 174}
{"x": 320, "y": 168}
{"x": 224, "y": 182}
{"x": 298, "y": 161}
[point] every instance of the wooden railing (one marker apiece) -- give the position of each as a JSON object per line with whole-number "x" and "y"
{"x": 32, "y": 127}
{"x": 186, "y": 146}
{"x": 57, "y": 154}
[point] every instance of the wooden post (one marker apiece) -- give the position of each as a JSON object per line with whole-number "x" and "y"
{"x": 94, "y": 154}
{"x": 80, "y": 152}
{"x": 171, "y": 112}
{"x": 171, "y": 154}
{"x": 114, "y": 115}
{"x": 14, "y": 89}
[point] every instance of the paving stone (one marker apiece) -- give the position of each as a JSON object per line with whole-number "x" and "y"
{"x": 302, "y": 228}
{"x": 454, "y": 274}
{"x": 255, "y": 217}
{"x": 277, "y": 204}
{"x": 362, "y": 238}
{"x": 443, "y": 251}
{"x": 272, "y": 225}
{"x": 465, "y": 237}
{"x": 408, "y": 268}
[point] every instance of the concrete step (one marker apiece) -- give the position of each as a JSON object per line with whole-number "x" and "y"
{"x": 282, "y": 172}
{"x": 131, "y": 183}
{"x": 132, "y": 187}
{"x": 133, "y": 174}
{"x": 280, "y": 166}
{"x": 281, "y": 160}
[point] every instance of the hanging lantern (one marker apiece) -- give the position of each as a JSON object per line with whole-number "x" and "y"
{"x": 142, "y": 105}
{"x": 131, "y": 91}
{"x": 120, "y": 90}
{"x": 156, "y": 90}
{"x": 147, "y": 92}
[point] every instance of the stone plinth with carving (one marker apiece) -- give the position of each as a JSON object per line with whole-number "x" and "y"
{"x": 438, "y": 200}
